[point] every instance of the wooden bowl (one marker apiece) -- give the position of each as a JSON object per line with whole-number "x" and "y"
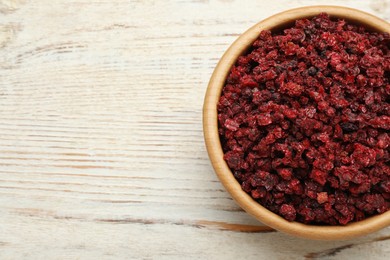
{"x": 213, "y": 144}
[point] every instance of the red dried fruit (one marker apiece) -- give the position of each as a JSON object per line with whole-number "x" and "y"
{"x": 322, "y": 197}
{"x": 264, "y": 119}
{"x": 288, "y": 212}
{"x": 285, "y": 173}
{"x": 319, "y": 176}
{"x": 231, "y": 125}
{"x": 304, "y": 121}
{"x": 292, "y": 89}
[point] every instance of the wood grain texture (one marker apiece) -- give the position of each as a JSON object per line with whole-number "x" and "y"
{"x": 101, "y": 146}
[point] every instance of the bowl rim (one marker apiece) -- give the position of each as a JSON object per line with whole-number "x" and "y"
{"x": 214, "y": 148}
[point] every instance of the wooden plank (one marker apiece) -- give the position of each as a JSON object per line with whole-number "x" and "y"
{"x": 101, "y": 144}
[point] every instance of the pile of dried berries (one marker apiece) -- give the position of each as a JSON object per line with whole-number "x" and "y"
{"x": 304, "y": 121}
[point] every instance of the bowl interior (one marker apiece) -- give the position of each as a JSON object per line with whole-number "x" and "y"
{"x": 210, "y": 125}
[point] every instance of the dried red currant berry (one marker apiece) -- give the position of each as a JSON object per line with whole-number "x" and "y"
{"x": 304, "y": 120}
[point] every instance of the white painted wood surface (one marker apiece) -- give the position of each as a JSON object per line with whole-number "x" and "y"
{"x": 101, "y": 147}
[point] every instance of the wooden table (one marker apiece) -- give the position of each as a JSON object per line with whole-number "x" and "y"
{"x": 101, "y": 151}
